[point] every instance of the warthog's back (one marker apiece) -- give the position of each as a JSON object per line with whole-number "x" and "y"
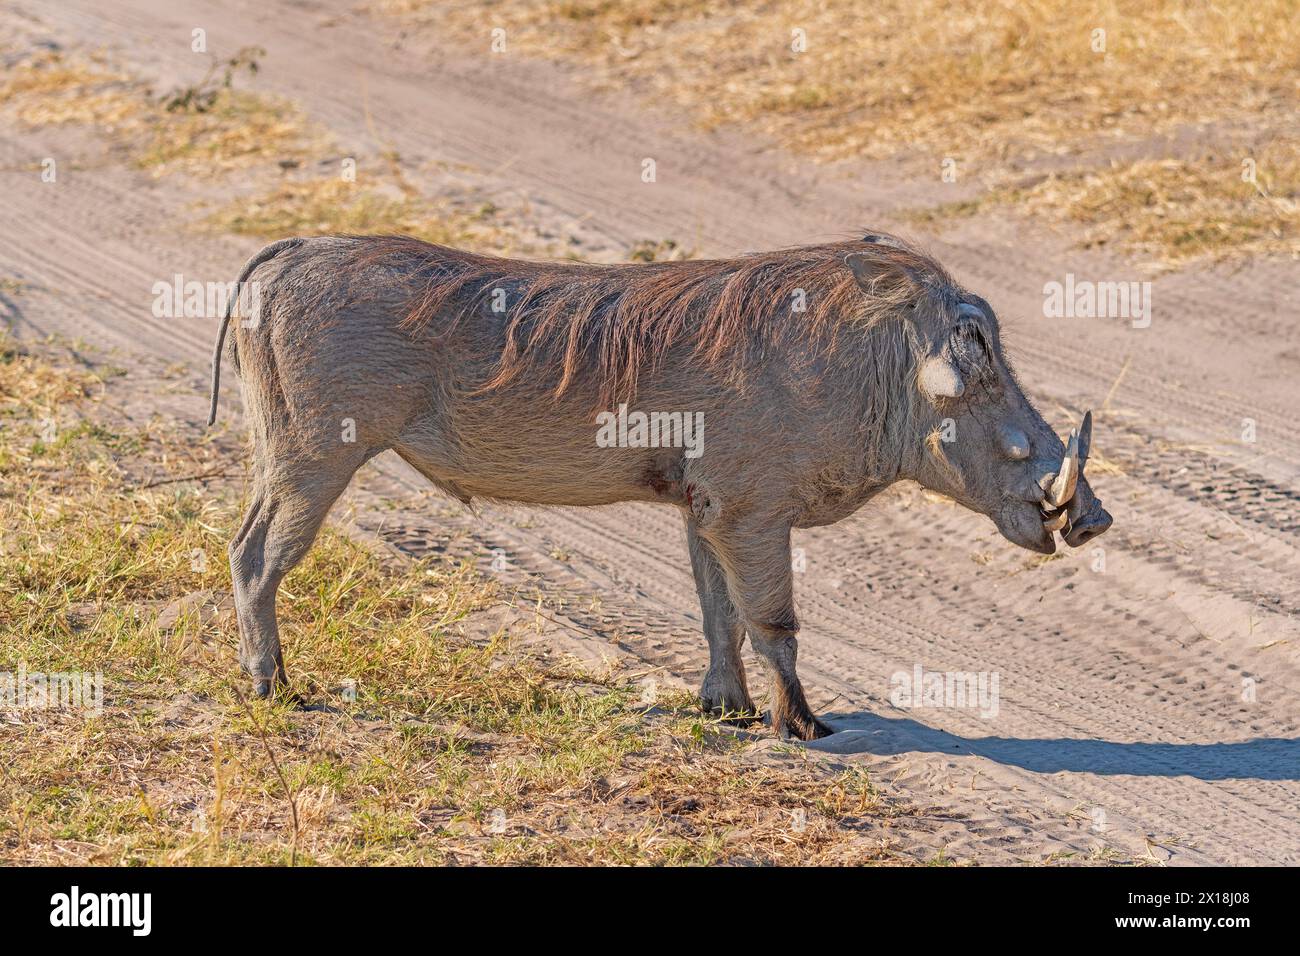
{"x": 336, "y": 355}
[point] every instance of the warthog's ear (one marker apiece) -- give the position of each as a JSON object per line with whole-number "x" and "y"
{"x": 876, "y": 274}
{"x": 864, "y": 269}
{"x": 939, "y": 379}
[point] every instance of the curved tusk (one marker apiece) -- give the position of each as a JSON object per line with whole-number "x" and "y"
{"x": 1085, "y": 440}
{"x": 1063, "y": 487}
{"x": 1056, "y": 521}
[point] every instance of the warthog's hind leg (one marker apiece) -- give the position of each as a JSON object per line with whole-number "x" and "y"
{"x": 288, "y": 506}
{"x": 724, "y": 691}
{"x": 757, "y": 564}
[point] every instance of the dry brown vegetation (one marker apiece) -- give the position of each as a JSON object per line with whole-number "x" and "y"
{"x": 235, "y": 129}
{"x": 212, "y": 128}
{"x": 451, "y": 743}
{"x": 1166, "y": 212}
{"x": 996, "y": 86}
{"x": 327, "y": 205}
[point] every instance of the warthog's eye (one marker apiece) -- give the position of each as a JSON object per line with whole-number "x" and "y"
{"x": 970, "y": 351}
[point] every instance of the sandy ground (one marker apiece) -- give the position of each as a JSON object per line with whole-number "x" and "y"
{"x": 1148, "y": 691}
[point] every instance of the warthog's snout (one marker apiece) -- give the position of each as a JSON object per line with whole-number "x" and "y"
{"x": 1095, "y": 522}
{"x": 1069, "y": 506}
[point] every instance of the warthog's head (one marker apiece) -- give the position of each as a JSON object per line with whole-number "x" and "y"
{"x": 984, "y": 444}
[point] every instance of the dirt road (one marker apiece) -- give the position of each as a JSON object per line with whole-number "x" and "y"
{"x": 1149, "y": 690}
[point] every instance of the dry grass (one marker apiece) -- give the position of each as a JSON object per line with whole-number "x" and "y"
{"x": 454, "y": 747}
{"x": 242, "y": 129}
{"x": 662, "y": 250}
{"x": 390, "y": 205}
{"x": 1171, "y": 211}
{"x": 325, "y": 206}
{"x": 994, "y": 85}
{"x": 224, "y": 129}
{"x": 49, "y": 88}
{"x": 988, "y": 78}
{"x": 239, "y": 130}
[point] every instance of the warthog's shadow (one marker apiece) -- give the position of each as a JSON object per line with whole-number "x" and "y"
{"x": 1261, "y": 758}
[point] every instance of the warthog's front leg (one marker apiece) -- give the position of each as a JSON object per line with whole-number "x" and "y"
{"x": 756, "y": 560}
{"x": 724, "y": 691}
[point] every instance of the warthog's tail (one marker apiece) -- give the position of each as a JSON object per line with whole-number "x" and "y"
{"x": 270, "y": 252}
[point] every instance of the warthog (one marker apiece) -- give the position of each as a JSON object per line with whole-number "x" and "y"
{"x": 823, "y": 374}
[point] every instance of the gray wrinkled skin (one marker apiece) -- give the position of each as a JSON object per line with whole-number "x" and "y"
{"x": 805, "y": 439}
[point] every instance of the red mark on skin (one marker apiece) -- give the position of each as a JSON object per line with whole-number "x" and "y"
{"x": 690, "y": 494}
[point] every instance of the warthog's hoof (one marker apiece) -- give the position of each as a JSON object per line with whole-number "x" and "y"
{"x": 806, "y": 727}
{"x": 264, "y": 688}
{"x": 267, "y": 674}
{"x": 733, "y": 709}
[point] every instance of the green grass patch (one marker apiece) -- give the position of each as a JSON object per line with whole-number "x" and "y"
{"x": 438, "y": 742}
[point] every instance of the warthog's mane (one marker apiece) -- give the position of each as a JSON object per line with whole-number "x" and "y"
{"x": 614, "y": 322}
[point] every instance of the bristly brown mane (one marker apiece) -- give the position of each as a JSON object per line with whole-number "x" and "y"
{"x": 613, "y": 322}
